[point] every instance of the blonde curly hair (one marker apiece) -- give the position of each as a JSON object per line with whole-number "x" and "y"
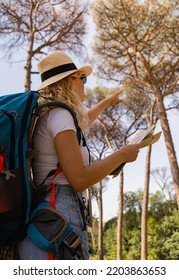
{"x": 64, "y": 91}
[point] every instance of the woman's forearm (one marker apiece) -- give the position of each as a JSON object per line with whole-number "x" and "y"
{"x": 96, "y": 110}
{"x": 91, "y": 174}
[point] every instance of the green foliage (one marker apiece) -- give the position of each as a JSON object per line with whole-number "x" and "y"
{"x": 164, "y": 239}
{"x": 131, "y": 249}
{"x": 160, "y": 207}
{"x": 110, "y": 224}
{"x": 163, "y": 229}
{"x": 110, "y": 239}
{"x": 171, "y": 247}
{"x": 133, "y": 201}
{"x": 93, "y": 234}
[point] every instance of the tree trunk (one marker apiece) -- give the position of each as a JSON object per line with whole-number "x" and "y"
{"x": 165, "y": 127}
{"x": 28, "y": 65}
{"x": 91, "y": 230}
{"x": 168, "y": 142}
{"x": 120, "y": 218}
{"x": 100, "y": 224}
{"x": 144, "y": 252}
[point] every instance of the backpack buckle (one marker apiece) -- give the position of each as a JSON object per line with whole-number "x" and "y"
{"x": 72, "y": 240}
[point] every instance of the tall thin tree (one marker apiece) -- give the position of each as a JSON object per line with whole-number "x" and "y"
{"x": 39, "y": 26}
{"x": 141, "y": 46}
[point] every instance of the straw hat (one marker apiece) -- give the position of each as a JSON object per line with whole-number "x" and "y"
{"x": 56, "y": 66}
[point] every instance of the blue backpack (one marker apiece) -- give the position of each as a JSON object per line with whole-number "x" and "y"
{"x": 18, "y": 115}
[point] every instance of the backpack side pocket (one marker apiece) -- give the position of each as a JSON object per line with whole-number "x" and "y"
{"x": 47, "y": 228}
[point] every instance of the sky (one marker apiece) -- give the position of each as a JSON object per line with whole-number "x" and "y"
{"x": 12, "y": 80}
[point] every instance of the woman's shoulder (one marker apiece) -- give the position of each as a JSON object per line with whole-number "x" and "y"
{"x": 59, "y": 112}
{"x": 60, "y": 119}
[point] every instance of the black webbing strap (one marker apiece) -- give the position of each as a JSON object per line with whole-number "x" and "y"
{"x": 72, "y": 240}
{"x": 70, "y": 249}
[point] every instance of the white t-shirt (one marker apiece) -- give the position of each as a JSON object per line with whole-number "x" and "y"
{"x": 48, "y": 126}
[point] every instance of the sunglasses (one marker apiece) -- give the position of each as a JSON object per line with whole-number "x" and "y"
{"x": 83, "y": 79}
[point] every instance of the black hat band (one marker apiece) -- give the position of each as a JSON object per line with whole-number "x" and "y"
{"x": 57, "y": 70}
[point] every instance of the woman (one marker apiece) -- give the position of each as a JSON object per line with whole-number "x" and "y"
{"x": 55, "y": 141}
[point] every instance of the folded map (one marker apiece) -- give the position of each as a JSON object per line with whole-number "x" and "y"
{"x": 145, "y": 138}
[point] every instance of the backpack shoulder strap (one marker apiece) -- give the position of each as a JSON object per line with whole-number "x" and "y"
{"x": 56, "y": 104}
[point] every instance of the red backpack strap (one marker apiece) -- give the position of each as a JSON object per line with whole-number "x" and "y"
{"x": 52, "y": 200}
{"x": 57, "y": 171}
